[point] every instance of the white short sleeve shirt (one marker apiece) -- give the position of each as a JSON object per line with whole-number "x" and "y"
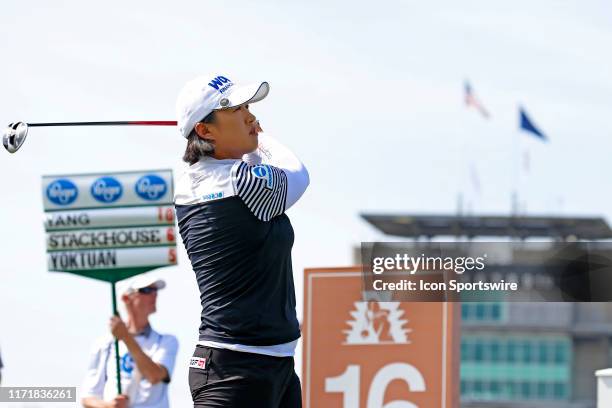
{"x": 101, "y": 378}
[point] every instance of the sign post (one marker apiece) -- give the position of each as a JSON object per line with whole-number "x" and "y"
{"x": 115, "y": 313}
{"x": 110, "y": 226}
{"x": 375, "y": 354}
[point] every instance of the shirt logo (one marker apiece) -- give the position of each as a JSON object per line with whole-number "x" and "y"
{"x": 212, "y": 196}
{"x": 197, "y": 362}
{"x": 263, "y": 171}
{"x": 127, "y": 363}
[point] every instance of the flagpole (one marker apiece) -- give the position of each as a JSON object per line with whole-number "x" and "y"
{"x": 525, "y": 124}
{"x": 515, "y": 196}
{"x": 472, "y": 173}
{"x": 465, "y": 204}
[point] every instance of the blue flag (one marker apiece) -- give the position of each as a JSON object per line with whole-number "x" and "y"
{"x": 527, "y": 125}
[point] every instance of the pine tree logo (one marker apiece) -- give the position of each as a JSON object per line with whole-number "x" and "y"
{"x": 377, "y": 323}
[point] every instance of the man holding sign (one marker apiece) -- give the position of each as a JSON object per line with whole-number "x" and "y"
{"x": 146, "y": 357}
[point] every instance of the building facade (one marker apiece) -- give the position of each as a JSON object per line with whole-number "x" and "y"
{"x": 523, "y": 354}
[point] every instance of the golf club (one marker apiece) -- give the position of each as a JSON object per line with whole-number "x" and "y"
{"x": 15, "y": 134}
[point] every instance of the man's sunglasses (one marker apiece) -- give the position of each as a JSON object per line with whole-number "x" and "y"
{"x": 147, "y": 291}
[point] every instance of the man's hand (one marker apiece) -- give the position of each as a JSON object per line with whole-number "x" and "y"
{"x": 120, "y": 401}
{"x": 118, "y": 328}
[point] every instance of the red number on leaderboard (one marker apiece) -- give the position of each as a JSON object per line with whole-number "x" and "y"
{"x": 165, "y": 214}
{"x": 172, "y": 255}
{"x": 170, "y": 234}
{"x": 169, "y": 214}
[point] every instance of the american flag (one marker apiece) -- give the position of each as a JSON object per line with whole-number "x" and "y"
{"x": 470, "y": 100}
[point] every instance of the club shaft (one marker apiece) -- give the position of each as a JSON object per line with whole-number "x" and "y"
{"x": 111, "y": 123}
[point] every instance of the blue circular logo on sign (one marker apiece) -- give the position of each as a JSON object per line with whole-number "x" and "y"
{"x": 151, "y": 187}
{"x": 62, "y": 192}
{"x": 106, "y": 189}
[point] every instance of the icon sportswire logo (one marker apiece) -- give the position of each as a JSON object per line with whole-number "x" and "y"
{"x": 377, "y": 323}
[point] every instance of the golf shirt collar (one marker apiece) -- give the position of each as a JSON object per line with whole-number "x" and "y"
{"x": 144, "y": 332}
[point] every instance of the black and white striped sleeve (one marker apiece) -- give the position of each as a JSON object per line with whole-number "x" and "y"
{"x": 263, "y": 188}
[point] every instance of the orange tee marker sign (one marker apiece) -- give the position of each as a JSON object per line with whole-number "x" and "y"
{"x": 376, "y": 354}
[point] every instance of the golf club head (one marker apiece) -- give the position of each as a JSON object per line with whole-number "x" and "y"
{"x": 14, "y": 136}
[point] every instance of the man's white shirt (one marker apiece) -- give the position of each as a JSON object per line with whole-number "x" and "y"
{"x": 101, "y": 378}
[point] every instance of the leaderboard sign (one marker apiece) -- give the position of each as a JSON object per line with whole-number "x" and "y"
{"x": 109, "y": 226}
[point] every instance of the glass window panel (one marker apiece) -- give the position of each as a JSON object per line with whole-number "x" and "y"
{"x": 525, "y": 389}
{"x": 465, "y": 311}
{"x": 513, "y": 390}
{"x": 468, "y": 386}
{"x": 511, "y": 350}
{"x": 534, "y": 390}
{"x": 478, "y": 351}
{"x": 495, "y": 351}
{"x": 559, "y": 390}
{"x": 541, "y": 390}
{"x": 480, "y": 311}
{"x": 526, "y": 352}
{"x": 496, "y": 311}
{"x": 550, "y": 391}
{"x": 543, "y": 352}
{"x": 561, "y": 353}
{"x": 495, "y": 387}
{"x": 487, "y": 311}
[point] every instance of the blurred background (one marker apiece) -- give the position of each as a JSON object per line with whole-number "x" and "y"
{"x": 395, "y": 107}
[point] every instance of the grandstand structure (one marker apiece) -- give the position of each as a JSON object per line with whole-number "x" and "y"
{"x": 521, "y": 354}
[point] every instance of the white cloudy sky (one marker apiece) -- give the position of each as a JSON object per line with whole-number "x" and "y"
{"x": 369, "y": 94}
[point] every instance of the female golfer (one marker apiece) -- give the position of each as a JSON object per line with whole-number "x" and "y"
{"x": 230, "y": 205}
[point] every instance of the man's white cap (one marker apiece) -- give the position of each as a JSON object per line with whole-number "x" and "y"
{"x": 144, "y": 281}
{"x": 202, "y": 95}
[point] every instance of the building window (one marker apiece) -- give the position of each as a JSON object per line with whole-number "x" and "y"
{"x": 561, "y": 352}
{"x": 515, "y": 367}
{"x": 484, "y": 312}
{"x": 560, "y": 390}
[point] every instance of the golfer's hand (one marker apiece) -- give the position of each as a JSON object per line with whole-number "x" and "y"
{"x": 120, "y": 401}
{"x": 118, "y": 328}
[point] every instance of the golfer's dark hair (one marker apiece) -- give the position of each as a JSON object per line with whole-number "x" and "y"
{"x": 198, "y": 147}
